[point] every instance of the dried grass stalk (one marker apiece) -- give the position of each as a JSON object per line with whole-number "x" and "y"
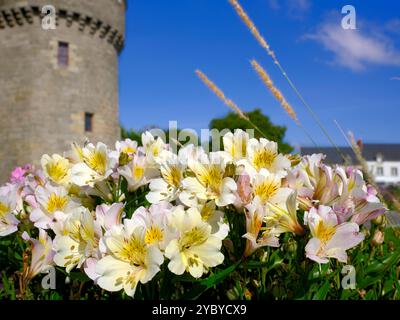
{"x": 266, "y": 79}
{"x": 252, "y": 27}
{"x": 218, "y": 92}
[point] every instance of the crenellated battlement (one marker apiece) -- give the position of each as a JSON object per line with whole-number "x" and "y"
{"x": 18, "y": 16}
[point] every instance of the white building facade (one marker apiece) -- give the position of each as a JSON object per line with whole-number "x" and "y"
{"x": 385, "y": 172}
{"x": 383, "y": 160}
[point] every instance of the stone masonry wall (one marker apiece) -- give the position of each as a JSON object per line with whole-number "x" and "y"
{"x": 42, "y": 104}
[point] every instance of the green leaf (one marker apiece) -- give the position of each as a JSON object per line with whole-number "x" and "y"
{"x": 205, "y": 284}
{"x": 379, "y": 267}
{"x": 80, "y": 276}
{"x": 388, "y": 286}
{"x": 322, "y": 292}
{"x": 373, "y": 273}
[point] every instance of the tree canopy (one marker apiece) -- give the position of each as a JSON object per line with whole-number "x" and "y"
{"x": 270, "y": 131}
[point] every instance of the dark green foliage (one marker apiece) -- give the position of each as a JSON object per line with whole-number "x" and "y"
{"x": 130, "y": 134}
{"x": 271, "y": 132}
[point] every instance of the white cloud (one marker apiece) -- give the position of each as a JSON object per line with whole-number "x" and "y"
{"x": 301, "y": 6}
{"x": 356, "y": 49}
{"x": 395, "y": 78}
{"x": 294, "y": 8}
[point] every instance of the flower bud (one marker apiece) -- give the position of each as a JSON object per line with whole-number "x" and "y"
{"x": 247, "y": 294}
{"x": 378, "y": 237}
{"x": 378, "y": 221}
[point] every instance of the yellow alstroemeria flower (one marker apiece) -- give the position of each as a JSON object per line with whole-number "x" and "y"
{"x": 196, "y": 249}
{"x": 56, "y": 168}
{"x": 129, "y": 261}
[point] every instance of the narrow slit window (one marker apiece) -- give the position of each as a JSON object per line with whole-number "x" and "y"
{"x": 89, "y": 122}
{"x": 63, "y": 54}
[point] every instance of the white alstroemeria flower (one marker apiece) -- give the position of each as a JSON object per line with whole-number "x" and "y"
{"x": 314, "y": 182}
{"x": 53, "y": 206}
{"x": 215, "y": 218}
{"x": 78, "y": 241}
{"x": 155, "y": 221}
{"x": 97, "y": 163}
{"x": 167, "y": 187}
{"x": 357, "y": 202}
{"x": 130, "y": 259}
{"x": 283, "y": 217}
{"x": 267, "y": 188}
{"x": 190, "y": 154}
{"x": 209, "y": 182}
{"x": 109, "y": 215}
{"x": 255, "y": 217}
{"x": 137, "y": 172}
{"x": 235, "y": 144}
{"x": 56, "y": 168}
{"x": 42, "y": 253}
{"x": 8, "y": 205}
{"x": 196, "y": 249}
{"x": 152, "y": 147}
{"x": 126, "y": 146}
{"x": 330, "y": 239}
{"x": 263, "y": 154}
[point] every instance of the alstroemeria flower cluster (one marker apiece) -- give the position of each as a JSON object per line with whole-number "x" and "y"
{"x": 78, "y": 206}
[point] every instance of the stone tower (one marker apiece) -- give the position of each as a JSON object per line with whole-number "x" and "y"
{"x": 57, "y": 85}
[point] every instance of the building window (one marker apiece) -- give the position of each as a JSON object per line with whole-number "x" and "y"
{"x": 63, "y": 54}
{"x": 394, "y": 172}
{"x": 379, "y": 171}
{"x": 89, "y": 122}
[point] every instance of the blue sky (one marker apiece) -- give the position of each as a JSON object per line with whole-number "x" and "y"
{"x": 352, "y": 76}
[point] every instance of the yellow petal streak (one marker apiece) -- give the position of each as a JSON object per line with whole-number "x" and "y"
{"x": 137, "y": 172}
{"x": 57, "y": 170}
{"x": 56, "y": 203}
{"x": 264, "y": 158}
{"x": 4, "y": 209}
{"x": 267, "y": 189}
{"x": 211, "y": 178}
{"x": 172, "y": 176}
{"x": 153, "y": 235}
{"x": 128, "y": 149}
{"x": 194, "y": 237}
{"x": 323, "y": 232}
{"x": 97, "y": 161}
{"x": 133, "y": 251}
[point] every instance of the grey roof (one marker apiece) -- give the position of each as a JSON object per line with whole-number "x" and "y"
{"x": 389, "y": 152}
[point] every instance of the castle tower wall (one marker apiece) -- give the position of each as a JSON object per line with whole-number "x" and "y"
{"x": 45, "y": 100}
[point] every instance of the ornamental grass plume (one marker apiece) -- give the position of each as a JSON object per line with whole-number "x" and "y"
{"x": 264, "y": 44}
{"x": 360, "y": 158}
{"x": 253, "y": 29}
{"x": 218, "y": 92}
{"x": 266, "y": 79}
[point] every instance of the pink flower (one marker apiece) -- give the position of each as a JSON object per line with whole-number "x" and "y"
{"x": 18, "y": 175}
{"x": 244, "y": 191}
{"x": 255, "y": 215}
{"x": 42, "y": 253}
{"x": 330, "y": 239}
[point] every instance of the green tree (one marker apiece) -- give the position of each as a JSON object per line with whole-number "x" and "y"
{"x": 130, "y": 134}
{"x": 184, "y": 135}
{"x": 270, "y": 131}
